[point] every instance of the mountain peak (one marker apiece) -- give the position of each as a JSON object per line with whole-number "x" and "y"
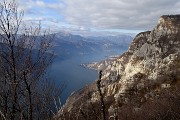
{"x": 171, "y": 17}
{"x": 169, "y": 22}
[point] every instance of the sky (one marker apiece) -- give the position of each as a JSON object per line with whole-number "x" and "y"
{"x": 94, "y": 16}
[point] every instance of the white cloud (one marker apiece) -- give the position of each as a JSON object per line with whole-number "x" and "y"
{"x": 118, "y": 14}
{"x": 83, "y": 15}
{"x": 39, "y": 7}
{"x": 39, "y": 10}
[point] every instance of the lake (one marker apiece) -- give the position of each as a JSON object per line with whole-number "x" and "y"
{"x": 75, "y": 76}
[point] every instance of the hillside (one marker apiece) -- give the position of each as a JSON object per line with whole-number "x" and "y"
{"x": 136, "y": 81}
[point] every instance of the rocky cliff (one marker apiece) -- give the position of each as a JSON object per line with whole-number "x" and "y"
{"x": 151, "y": 64}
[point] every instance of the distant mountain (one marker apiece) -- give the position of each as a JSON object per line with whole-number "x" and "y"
{"x": 120, "y": 39}
{"x": 141, "y": 84}
{"x": 67, "y": 45}
{"x": 111, "y": 42}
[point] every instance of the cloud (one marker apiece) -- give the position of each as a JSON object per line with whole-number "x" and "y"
{"x": 46, "y": 11}
{"x": 86, "y": 15}
{"x": 40, "y": 8}
{"x": 118, "y": 14}
{"x": 29, "y": 4}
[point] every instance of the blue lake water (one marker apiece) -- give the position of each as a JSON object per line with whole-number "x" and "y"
{"x": 72, "y": 74}
{"x": 75, "y": 77}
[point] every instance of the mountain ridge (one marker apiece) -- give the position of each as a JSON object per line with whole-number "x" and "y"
{"x": 68, "y": 44}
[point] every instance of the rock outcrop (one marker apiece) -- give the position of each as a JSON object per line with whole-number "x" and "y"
{"x": 151, "y": 63}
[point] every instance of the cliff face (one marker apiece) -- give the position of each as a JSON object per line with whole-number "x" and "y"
{"x": 154, "y": 54}
{"x": 152, "y": 61}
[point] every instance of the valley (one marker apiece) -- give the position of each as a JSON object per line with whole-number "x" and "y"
{"x": 73, "y": 50}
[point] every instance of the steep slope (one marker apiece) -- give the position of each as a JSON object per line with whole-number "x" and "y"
{"x": 151, "y": 64}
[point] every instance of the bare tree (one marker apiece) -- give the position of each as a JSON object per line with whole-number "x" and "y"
{"x": 25, "y": 55}
{"x": 98, "y": 83}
